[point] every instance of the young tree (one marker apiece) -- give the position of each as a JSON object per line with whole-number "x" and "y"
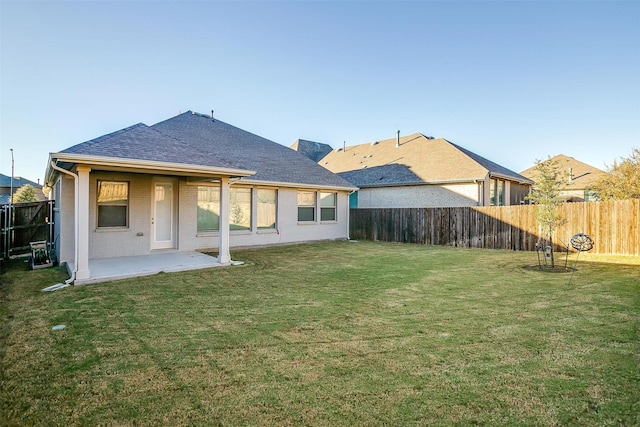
{"x": 622, "y": 180}
{"x": 25, "y": 194}
{"x": 546, "y": 193}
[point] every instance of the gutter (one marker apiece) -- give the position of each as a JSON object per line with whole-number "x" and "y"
{"x": 75, "y": 213}
{"x": 149, "y": 165}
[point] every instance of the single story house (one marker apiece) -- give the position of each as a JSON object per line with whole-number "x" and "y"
{"x": 18, "y": 182}
{"x": 421, "y": 171}
{"x": 188, "y": 183}
{"x": 579, "y": 177}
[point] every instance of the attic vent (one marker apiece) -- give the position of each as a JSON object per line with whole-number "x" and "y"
{"x": 429, "y": 137}
{"x": 338, "y": 150}
{"x": 375, "y": 143}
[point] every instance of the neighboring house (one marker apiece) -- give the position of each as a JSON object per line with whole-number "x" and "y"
{"x": 420, "y": 171}
{"x": 579, "y": 178}
{"x": 188, "y": 183}
{"x": 5, "y": 188}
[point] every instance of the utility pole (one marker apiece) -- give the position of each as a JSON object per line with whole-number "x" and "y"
{"x": 11, "y": 195}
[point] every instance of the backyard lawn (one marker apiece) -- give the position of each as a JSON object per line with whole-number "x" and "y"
{"x": 339, "y": 333}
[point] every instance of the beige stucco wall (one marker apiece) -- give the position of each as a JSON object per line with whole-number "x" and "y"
{"x": 288, "y": 229}
{"x": 419, "y": 196}
{"x": 136, "y": 238}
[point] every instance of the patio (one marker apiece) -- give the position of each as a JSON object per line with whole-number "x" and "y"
{"x": 107, "y": 269}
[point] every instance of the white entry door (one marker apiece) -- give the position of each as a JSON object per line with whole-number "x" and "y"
{"x": 163, "y": 220}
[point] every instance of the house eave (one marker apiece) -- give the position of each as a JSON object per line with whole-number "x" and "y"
{"x": 419, "y": 183}
{"x": 143, "y": 166}
{"x": 522, "y": 180}
{"x": 296, "y": 185}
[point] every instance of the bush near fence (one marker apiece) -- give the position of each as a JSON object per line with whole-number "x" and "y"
{"x": 614, "y": 226}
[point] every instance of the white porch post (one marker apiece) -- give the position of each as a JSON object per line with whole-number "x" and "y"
{"x": 223, "y": 244}
{"x": 82, "y": 227}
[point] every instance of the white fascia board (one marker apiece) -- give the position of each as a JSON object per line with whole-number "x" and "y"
{"x": 147, "y": 165}
{"x": 294, "y": 185}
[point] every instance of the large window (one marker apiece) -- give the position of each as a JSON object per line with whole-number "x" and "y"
{"x": 267, "y": 208}
{"x": 496, "y": 192}
{"x": 306, "y": 206}
{"x": 208, "y": 209}
{"x": 113, "y": 204}
{"x": 240, "y": 208}
{"x": 328, "y": 206}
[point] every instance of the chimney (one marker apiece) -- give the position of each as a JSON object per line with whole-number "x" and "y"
{"x": 398, "y": 139}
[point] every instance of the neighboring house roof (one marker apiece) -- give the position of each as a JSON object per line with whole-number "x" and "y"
{"x": 192, "y": 139}
{"x": 417, "y": 160}
{"x": 5, "y": 184}
{"x": 579, "y": 175}
{"x": 313, "y": 150}
{"x": 5, "y": 181}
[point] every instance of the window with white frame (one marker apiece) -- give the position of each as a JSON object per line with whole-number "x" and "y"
{"x": 496, "y": 192}
{"x": 240, "y": 208}
{"x": 328, "y": 206}
{"x": 306, "y": 206}
{"x": 113, "y": 204}
{"x": 267, "y": 200}
{"x": 208, "y": 208}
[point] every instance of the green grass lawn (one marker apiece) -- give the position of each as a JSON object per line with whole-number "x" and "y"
{"x": 337, "y": 333}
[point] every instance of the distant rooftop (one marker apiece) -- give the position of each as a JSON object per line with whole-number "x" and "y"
{"x": 416, "y": 159}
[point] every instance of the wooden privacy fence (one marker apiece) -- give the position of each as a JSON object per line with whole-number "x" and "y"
{"x": 614, "y": 226}
{"x": 23, "y": 223}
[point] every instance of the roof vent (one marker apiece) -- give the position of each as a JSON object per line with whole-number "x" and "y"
{"x": 212, "y": 116}
{"x": 375, "y": 143}
{"x": 398, "y": 139}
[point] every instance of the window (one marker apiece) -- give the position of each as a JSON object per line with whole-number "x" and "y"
{"x": 208, "y": 208}
{"x": 328, "y": 206}
{"x": 306, "y": 206}
{"x": 496, "y": 192}
{"x": 267, "y": 208}
{"x": 240, "y": 208}
{"x": 113, "y": 204}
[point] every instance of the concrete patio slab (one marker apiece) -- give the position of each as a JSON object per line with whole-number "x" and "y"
{"x": 107, "y": 269}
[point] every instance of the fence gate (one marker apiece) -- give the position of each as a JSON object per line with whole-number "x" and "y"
{"x": 22, "y": 223}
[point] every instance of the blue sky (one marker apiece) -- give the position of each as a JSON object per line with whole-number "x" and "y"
{"x": 512, "y": 81}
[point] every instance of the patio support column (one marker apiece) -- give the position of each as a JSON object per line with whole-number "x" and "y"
{"x": 223, "y": 244}
{"x": 82, "y": 227}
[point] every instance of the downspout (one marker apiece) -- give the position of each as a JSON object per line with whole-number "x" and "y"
{"x": 75, "y": 213}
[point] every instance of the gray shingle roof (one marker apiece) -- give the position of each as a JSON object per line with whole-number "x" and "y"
{"x": 195, "y": 139}
{"x": 140, "y": 142}
{"x": 271, "y": 161}
{"x": 313, "y": 150}
{"x": 5, "y": 181}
